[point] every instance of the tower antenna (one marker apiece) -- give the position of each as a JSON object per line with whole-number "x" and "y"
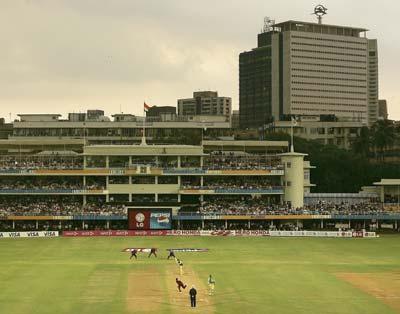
{"x": 320, "y": 11}
{"x": 268, "y": 25}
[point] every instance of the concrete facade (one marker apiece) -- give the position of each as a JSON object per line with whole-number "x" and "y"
{"x": 152, "y": 172}
{"x": 125, "y": 129}
{"x": 310, "y": 69}
{"x": 382, "y": 111}
{"x": 337, "y": 133}
{"x": 205, "y": 103}
{"x": 324, "y": 73}
{"x": 373, "y": 82}
{"x": 293, "y": 181}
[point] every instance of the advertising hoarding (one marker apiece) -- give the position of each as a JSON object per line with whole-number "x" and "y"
{"x": 150, "y": 218}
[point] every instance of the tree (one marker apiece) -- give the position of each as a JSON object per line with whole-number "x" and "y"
{"x": 362, "y": 143}
{"x": 383, "y": 136}
{"x": 339, "y": 170}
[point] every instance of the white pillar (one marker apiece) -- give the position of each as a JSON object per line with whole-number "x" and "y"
{"x": 107, "y": 187}
{"x": 382, "y": 194}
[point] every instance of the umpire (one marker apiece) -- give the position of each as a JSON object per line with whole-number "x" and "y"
{"x": 192, "y": 293}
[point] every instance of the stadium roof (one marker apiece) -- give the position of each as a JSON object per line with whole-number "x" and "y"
{"x": 388, "y": 182}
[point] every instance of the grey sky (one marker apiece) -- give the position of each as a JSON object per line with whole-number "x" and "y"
{"x": 60, "y": 56}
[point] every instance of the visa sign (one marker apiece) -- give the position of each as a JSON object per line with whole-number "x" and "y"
{"x": 29, "y": 234}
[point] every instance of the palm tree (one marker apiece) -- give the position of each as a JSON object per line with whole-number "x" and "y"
{"x": 383, "y": 136}
{"x": 361, "y": 145}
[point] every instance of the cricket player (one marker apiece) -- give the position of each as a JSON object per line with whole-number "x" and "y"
{"x": 133, "y": 254}
{"x": 211, "y": 285}
{"x": 153, "y": 252}
{"x": 171, "y": 254}
{"x": 180, "y": 284}
{"x": 180, "y": 264}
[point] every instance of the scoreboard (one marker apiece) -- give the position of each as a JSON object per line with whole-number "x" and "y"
{"x": 150, "y": 218}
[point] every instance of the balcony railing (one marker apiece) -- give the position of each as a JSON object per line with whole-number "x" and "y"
{"x": 231, "y": 190}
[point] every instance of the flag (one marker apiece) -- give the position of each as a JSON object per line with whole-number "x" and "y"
{"x": 146, "y": 107}
{"x": 294, "y": 121}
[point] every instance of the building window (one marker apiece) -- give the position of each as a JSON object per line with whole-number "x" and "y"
{"x": 289, "y": 165}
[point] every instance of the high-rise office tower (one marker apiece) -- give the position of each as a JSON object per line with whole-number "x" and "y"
{"x": 382, "y": 109}
{"x": 301, "y": 68}
{"x": 373, "y": 86}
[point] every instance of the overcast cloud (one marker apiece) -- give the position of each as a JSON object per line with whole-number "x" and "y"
{"x": 60, "y": 56}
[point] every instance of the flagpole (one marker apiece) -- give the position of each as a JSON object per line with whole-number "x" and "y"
{"x": 291, "y": 136}
{"x": 144, "y": 126}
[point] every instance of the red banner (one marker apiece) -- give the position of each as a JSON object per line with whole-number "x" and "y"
{"x": 113, "y": 233}
{"x": 224, "y": 233}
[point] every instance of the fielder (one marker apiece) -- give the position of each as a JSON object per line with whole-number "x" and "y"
{"x": 133, "y": 254}
{"x": 180, "y": 264}
{"x": 171, "y": 254}
{"x": 211, "y": 285}
{"x": 153, "y": 252}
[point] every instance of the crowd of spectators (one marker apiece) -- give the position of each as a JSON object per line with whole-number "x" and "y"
{"x": 54, "y": 225}
{"x": 392, "y": 199}
{"x": 58, "y": 208}
{"x": 259, "y": 207}
{"x": 65, "y": 206}
{"x": 219, "y": 160}
{"x": 49, "y": 183}
{"x": 32, "y": 163}
{"x": 236, "y": 183}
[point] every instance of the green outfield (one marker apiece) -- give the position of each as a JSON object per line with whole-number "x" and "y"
{"x": 253, "y": 275}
